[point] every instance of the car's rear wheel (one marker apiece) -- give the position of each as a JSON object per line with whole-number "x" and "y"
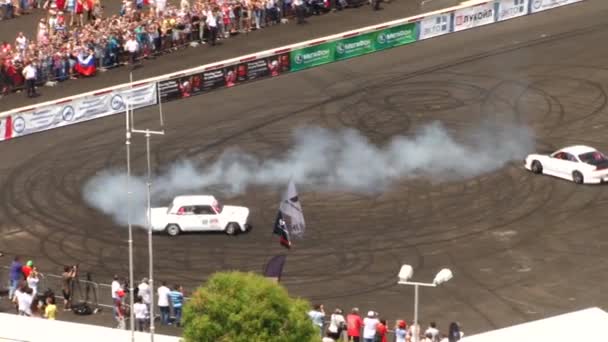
{"x": 537, "y": 167}
{"x": 173, "y": 230}
{"x": 231, "y": 228}
{"x": 577, "y": 177}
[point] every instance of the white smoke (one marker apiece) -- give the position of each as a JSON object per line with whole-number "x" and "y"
{"x": 323, "y": 159}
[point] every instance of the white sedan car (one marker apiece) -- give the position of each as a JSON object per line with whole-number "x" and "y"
{"x": 580, "y": 164}
{"x": 199, "y": 213}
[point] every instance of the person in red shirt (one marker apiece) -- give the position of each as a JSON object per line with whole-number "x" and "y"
{"x": 382, "y": 330}
{"x": 354, "y": 325}
{"x": 27, "y": 268}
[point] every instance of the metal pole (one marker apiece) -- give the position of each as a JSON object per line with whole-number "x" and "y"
{"x": 416, "y": 328}
{"x": 131, "y": 292}
{"x": 160, "y": 105}
{"x": 151, "y": 258}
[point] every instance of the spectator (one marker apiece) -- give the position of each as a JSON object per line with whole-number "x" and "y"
{"x": 432, "y": 329}
{"x": 355, "y": 324}
{"x": 67, "y": 278}
{"x": 15, "y": 276}
{"x": 24, "y": 299}
{"x": 317, "y": 315}
{"x": 132, "y": 47}
{"x": 337, "y": 324}
{"x": 177, "y": 300}
{"x": 140, "y": 310}
{"x": 381, "y": 331}
{"x": 30, "y": 73}
{"x": 33, "y": 279}
{"x": 370, "y": 324}
{"x": 163, "y": 303}
{"x": 27, "y": 268}
{"x": 400, "y": 331}
{"x": 119, "y": 310}
{"x": 145, "y": 292}
{"x": 50, "y": 312}
{"x": 454, "y": 333}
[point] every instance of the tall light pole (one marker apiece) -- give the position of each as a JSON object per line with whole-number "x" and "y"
{"x": 406, "y": 273}
{"x": 148, "y": 133}
{"x": 130, "y": 242}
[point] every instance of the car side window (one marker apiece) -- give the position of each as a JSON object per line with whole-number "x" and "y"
{"x": 187, "y": 210}
{"x": 203, "y": 210}
{"x": 571, "y": 158}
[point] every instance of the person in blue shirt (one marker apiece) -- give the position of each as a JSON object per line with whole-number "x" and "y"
{"x": 177, "y": 300}
{"x": 15, "y": 276}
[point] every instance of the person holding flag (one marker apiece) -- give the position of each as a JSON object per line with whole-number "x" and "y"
{"x": 290, "y": 217}
{"x": 85, "y": 64}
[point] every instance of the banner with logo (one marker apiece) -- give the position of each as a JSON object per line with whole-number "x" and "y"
{"x": 195, "y": 84}
{"x": 475, "y": 16}
{"x": 541, "y": 5}
{"x": 311, "y": 56}
{"x": 83, "y": 109}
{"x": 395, "y": 36}
{"x": 435, "y": 25}
{"x": 508, "y": 9}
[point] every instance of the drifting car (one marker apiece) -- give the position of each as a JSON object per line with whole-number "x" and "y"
{"x": 580, "y": 164}
{"x": 199, "y": 214}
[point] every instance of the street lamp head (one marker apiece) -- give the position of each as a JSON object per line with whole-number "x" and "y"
{"x": 443, "y": 276}
{"x": 406, "y": 273}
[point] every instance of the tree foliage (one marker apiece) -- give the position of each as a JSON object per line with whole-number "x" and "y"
{"x": 245, "y": 307}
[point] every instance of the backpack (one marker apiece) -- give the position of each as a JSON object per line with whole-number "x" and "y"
{"x": 82, "y": 309}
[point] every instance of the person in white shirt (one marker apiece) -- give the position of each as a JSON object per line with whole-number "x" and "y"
{"x": 432, "y": 329}
{"x": 369, "y": 326}
{"x": 132, "y": 47}
{"x": 298, "y": 5}
{"x": 211, "y": 22}
{"x": 115, "y": 288}
{"x": 145, "y": 292}
{"x": 24, "y": 301}
{"x": 163, "y": 303}
{"x": 317, "y": 315}
{"x": 336, "y": 325}
{"x": 160, "y": 7}
{"x": 30, "y": 73}
{"x": 140, "y": 311}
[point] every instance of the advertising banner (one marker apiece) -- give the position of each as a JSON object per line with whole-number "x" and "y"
{"x": 80, "y": 110}
{"x": 508, "y": 9}
{"x": 435, "y": 25}
{"x": 4, "y": 132}
{"x": 355, "y": 46}
{"x": 311, "y": 56}
{"x": 186, "y": 86}
{"x": 395, "y": 36}
{"x": 475, "y": 16}
{"x": 541, "y": 5}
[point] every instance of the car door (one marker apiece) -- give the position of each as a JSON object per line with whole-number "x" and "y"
{"x": 186, "y": 218}
{"x": 205, "y": 217}
{"x": 563, "y": 165}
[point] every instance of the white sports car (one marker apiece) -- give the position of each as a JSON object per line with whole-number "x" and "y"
{"x": 580, "y": 164}
{"x": 199, "y": 213}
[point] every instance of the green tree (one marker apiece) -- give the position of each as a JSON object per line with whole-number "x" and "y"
{"x": 245, "y": 307}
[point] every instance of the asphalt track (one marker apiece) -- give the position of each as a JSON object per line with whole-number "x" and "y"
{"x": 522, "y": 247}
{"x": 255, "y": 41}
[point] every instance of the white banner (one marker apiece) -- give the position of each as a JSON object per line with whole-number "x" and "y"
{"x": 470, "y": 17}
{"x": 541, "y": 5}
{"x": 3, "y": 127}
{"x": 508, "y": 9}
{"x": 435, "y": 25}
{"x": 80, "y": 110}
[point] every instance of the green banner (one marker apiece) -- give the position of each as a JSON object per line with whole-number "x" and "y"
{"x": 395, "y": 36}
{"x": 312, "y": 56}
{"x": 352, "y": 47}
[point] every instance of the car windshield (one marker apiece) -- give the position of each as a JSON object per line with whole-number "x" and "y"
{"x": 593, "y": 158}
{"x": 217, "y": 206}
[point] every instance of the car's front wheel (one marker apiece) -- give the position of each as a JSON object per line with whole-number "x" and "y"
{"x": 173, "y": 230}
{"x": 577, "y": 177}
{"x": 537, "y": 167}
{"x": 231, "y": 229}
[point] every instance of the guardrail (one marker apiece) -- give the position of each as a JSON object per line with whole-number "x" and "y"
{"x": 264, "y": 64}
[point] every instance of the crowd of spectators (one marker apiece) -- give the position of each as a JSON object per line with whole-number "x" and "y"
{"x": 373, "y": 328}
{"x": 77, "y": 39}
